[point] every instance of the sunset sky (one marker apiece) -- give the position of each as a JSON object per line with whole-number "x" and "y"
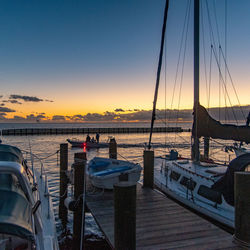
{"x": 66, "y": 58}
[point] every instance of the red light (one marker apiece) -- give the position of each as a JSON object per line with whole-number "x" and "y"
{"x": 84, "y": 146}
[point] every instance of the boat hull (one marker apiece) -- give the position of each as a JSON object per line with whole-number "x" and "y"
{"x": 88, "y": 145}
{"x": 105, "y": 173}
{"x": 220, "y": 212}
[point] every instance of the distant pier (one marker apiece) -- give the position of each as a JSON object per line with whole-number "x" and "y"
{"x": 60, "y": 131}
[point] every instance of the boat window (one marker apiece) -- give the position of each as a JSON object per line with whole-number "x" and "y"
{"x": 189, "y": 183}
{"x": 174, "y": 175}
{"x": 247, "y": 169}
{"x": 10, "y": 182}
{"x": 210, "y": 194}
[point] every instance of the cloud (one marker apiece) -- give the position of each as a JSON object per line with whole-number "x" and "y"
{"x": 48, "y": 100}
{"x": 2, "y": 116}
{"x": 18, "y": 118}
{"x": 1, "y": 96}
{"x": 41, "y": 117}
{"x": 77, "y": 117}
{"x": 7, "y": 110}
{"x": 31, "y": 117}
{"x": 14, "y": 102}
{"x": 119, "y": 110}
{"x": 58, "y": 118}
{"x": 26, "y": 98}
{"x": 2, "y": 104}
{"x": 107, "y": 116}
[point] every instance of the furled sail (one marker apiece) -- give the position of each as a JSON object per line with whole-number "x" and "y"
{"x": 208, "y": 127}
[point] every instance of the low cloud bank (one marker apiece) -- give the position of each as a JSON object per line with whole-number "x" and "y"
{"x": 119, "y": 115}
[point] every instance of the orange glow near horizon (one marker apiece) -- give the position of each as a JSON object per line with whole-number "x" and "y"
{"x": 80, "y": 101}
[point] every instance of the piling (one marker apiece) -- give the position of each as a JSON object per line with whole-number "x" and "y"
{"x": 125, "y": 215}
{"x": 63, "y": 213}
{"x": 206, "y": 148}
{"x": 79, "y": 184}
{"x": 242, "y": 208}
{"x": 148, "y": 162}
{"x": 112, "y": 148}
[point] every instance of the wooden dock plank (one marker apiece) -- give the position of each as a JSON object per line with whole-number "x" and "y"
{"x": 161, "y": 223}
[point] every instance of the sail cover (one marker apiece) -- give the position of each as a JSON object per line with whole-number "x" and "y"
{"x": 208, "y": 127}
{"x": 225, "y": 184}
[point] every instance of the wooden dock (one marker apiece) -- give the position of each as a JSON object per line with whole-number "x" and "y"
{"x": 161, "y": 223}
{"x": 60, "y": 131}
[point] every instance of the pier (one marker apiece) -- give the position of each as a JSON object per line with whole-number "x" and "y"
{"x": 60, "y": 131}
{"x": 135, "y": 216}
{"x": 160, "y": 223}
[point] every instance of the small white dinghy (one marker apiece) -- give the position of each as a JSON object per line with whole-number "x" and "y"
{"x": 104, "y": 172}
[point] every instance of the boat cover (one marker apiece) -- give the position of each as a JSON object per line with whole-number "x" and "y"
{"x": 15, "y": 209}
{"x": 10, "y": 153}
{"x": 98, "y": 164}
{"x": 209, "y": 127}
{"x": 111, "y": 171}
{"x": 225, "y": 184}
{"x": 15, "y": 215}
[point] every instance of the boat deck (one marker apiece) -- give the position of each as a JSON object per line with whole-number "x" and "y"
{"x": 160, "y": 223}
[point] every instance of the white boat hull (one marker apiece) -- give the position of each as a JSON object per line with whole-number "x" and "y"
{"x": 223, "y": 213}
{"x": 113, "y": 172}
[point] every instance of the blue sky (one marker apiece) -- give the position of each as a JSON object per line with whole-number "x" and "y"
{"x": 99, "y": 55}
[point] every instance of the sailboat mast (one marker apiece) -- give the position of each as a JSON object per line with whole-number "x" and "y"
{"x": 196, "y": 75}
{"x": 158, "y": 71}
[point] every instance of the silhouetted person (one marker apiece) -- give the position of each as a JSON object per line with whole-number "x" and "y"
{"x": 97, "y": 137}
{"x": 88, "y": 138}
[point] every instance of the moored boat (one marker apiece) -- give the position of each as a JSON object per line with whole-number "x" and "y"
{"x": 104, "y": 172}
{"x": 207, "y": 187}
{"x": 26, "y": 213}
{"x": 84, "y": 144}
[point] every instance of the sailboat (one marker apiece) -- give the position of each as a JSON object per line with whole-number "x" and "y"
{"x": 206, "y": 187}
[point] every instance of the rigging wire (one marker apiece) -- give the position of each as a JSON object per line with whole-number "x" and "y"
{"x": 175, "y": 133}
{"x": 183, "y": 62}
{"x": 183, "y": 36}
{"x": 210, "y": 74}
{"x": 179, "y": 55}
{"x": 204, "y": 55}
{"x": 231, "y": 80}
{"x": 32, "y": 160}
{"x": 225, "y": 3}
{"x": 218, "y": 36}
{"x": 165, "y": 84}
{"x": 212, "y": 39}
